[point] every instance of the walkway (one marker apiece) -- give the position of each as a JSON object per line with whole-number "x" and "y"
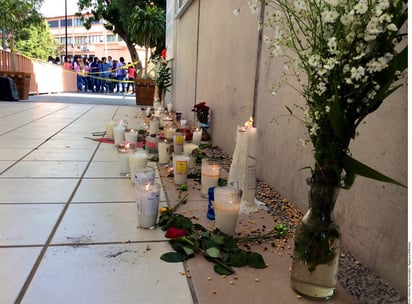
{"x": 69, "y": 229}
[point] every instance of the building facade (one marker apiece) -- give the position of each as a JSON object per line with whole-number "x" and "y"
{"x": 97, "y": 41}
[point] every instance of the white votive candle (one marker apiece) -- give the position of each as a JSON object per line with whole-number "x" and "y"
{"x": 209, "y": 176}
{"x": 226, "y": 205}
{"x": 118, "y": 134}
{"x": 197, "y": 136}
{"x": 148, "y": 205}
{"x": 180, "y": 168}
{"x": 123, "y": 155}
{"x": 131, "y": 135}
{"x": 109, "y": 129}
{"x": 137, "y": 160}
{"x": 164, "y": 155}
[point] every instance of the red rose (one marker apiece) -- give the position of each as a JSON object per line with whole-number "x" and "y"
{"x": 173, "y": 233}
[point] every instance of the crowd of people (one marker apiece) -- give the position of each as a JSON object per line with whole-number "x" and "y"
{"x": 101, "y": 75}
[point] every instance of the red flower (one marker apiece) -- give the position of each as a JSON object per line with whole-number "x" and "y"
{"x": 173, "y": 233}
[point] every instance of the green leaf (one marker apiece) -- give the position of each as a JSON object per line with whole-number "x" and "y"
{"x": 354, "y": 166}
{"x": 173, "y": 257}
{"x": 239, "y": 258}
{"x": 217, "y": 238}
{"x": 222, "y": 270}
{"x": 255, "y": 260}
{"x": 188, "y": 251}
{"x": 229, "y": 244}
{"x": 213, "y": 252}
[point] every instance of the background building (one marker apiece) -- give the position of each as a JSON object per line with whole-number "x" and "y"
{"x": 97, "y": 41}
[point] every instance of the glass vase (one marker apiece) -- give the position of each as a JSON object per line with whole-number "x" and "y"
{"x": 317, "y": 245}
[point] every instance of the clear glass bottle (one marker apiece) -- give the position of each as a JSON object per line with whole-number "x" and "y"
{"x": 317, "y": 245}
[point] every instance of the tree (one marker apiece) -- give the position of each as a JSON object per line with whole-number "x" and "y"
{"x": 117, "y": 14}
{"x": 35, "y": 41}
{"x": 14, "y": 13}
{"x": 147, "y": 27}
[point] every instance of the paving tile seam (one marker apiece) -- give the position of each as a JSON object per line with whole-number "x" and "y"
{"x": 53, "y": 232}
{"x": 21, "y": 111}
{"x": 83, "y": 244}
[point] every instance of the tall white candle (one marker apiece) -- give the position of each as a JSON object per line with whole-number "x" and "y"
{"x": 137, "y": 160}
{"x": 197, "y": 136}
{"x": 164, "y": 155}
{"x": 148, "y": 205}
{"x": 123, "y": 155}
{"x": 180, "y": 168}
{"x": 154, "y": 125}
{"x": 178, "y": 141}
{"x": 109, "y": 129}
{"x": 118, "y": 134}
{"x": 209, "y": 176}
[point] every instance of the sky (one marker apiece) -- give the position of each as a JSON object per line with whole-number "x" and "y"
{"x": 55, "y": 8}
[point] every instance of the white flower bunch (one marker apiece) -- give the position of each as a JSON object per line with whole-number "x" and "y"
{"x": 351, "y": 54}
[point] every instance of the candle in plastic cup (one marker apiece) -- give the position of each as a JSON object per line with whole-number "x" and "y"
{"x": 118, "y": 134}
{"x": 226, "y": 206}
{"x": 148, "y": 205}
{"x": 180, "y": 168}
{"x": 131, "y": 135}
{"x": 178, "y": 141}
{"x": 123, "y": 155}
{"x": 188, "y": 149}
{"x": 209, "y": 176}
{"x": 144, "y": 176}
{"x": 109, "y": 129}
{"x": 137, "y": 160}
{"x": 164, "y": 155}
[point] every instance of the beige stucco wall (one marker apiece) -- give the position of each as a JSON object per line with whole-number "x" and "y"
{"x": 215, "y": 60}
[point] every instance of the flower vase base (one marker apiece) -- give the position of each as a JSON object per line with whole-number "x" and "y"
{"x": 317, "y": 245}
{"x": 316, "y": 285}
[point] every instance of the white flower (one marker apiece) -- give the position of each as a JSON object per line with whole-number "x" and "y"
{"x": 392, "y": 27}
{"x": 327, "y": 109}
{"x": 314, "y": 60}
{"x": 332, "y": 45}
{"x": 357, "y": 73}
{"x": 236, "y": 12}
{"x": 321, "y": 89}
{"x": 329, "y": 16}
{"x": 361, "y": 7}
{"x": 266, "y": 39}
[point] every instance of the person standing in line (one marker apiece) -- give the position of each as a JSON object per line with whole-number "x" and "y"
{"x": 121, "y": 75}
{"x": 67, "y": 64}
{"x": 130, "y": 73}
{"x": 109, "y": 75}
{"x": 95, "y": 73}
{"x": 78, "y": 67}
{"x": 86, "y": 77}
{"x": 105, "y": 66}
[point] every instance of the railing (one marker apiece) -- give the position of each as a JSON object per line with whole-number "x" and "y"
{"x": 45, "y": 77}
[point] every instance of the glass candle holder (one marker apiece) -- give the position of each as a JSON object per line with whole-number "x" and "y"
{"x": 209, "y": 176}
{"x": 147, "y": 199}
{"x": 226, "y": 205}
{"x": 180, "y": 168}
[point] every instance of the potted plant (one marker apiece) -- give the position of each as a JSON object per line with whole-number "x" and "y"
{"x": 147, "y": 27}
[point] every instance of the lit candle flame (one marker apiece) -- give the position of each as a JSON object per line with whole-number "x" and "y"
{"x": 249, "y": 123}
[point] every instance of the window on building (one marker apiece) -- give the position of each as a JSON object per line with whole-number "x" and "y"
{"x": 78, "y": 22}
{"x": 111, "y": 38}
{"x": 63, "y": 22}
{"x": 53, "y": 23}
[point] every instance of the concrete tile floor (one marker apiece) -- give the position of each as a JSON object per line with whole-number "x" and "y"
{"x": 69, "y": 230}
